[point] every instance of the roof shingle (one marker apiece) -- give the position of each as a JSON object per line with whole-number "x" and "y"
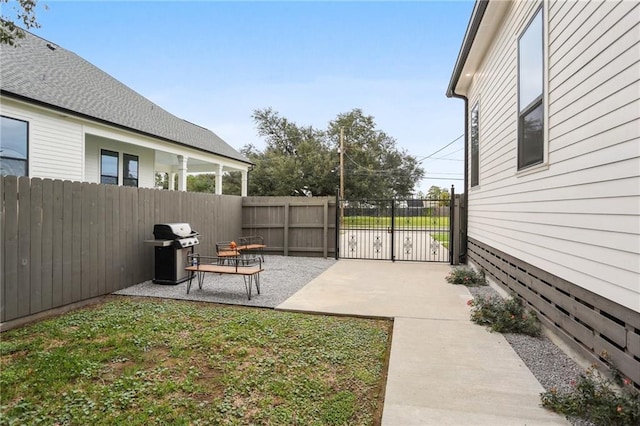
{"x": 41, "y": 71}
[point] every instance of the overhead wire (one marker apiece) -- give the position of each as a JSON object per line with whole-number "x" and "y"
{"x": 441, "y": 149}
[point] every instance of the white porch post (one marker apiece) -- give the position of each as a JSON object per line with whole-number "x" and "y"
{"x": 243, "y": 192}
{"x": 182, "y": 170}
{"x": 172, "y": 181}
{"x": 219, "y": 180}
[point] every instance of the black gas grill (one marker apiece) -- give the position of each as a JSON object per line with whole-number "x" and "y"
{"x": 172, "y": 243}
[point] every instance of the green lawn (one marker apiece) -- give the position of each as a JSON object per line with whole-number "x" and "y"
{"x": 442, "y": 237}
{"x": 406, "y": 222}
{"x": 144, "y": 361}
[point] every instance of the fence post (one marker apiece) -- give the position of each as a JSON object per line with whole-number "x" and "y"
{"x": 452, "y": 218}
{"x": 337, "y": 243}
{"x": 393, "y": 223}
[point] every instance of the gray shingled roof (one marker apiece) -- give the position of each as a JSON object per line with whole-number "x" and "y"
{"x": 43, "y": 72}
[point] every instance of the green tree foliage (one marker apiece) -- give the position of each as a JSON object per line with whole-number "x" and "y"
{"x": 374, "y": 167}
{"x": 305, "y": 161}
{"x": 296, "y": 161}
{"x": 206, "y": 182}
{"x": 437, "y": 193}
{"x": 22, "y": 11}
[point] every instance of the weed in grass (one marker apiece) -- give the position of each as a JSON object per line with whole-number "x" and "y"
{"x": 466, "y": 276}
{"x": 504, "y": 315}
{"x": 338, "y": 409}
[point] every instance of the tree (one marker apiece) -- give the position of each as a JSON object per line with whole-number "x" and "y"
{"x": 437, "y": 193}
{"x": 302, "y": 160}
{"x": 25, "y": 13}
{"x": 296, "y": 160}
{"x": 374, "y": 167}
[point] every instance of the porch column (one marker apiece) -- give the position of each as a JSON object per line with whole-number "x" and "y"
{"x": 219, "y": 180}
{"x": 182, "y": 170}
{"x": 172, "y": 181}
{"x": 243, "y": 192}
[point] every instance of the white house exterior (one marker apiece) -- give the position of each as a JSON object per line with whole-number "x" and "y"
{"x": 552, "y": 98}
{"x": 63, "y": 118}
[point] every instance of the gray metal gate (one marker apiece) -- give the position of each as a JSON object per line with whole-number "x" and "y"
{"x": 410, "y": 230}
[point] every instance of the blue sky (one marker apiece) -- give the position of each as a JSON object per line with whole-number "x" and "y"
{"x": 213, "y": 63}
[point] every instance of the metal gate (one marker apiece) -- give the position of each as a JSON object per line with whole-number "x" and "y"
{"x": 411, "y": 230}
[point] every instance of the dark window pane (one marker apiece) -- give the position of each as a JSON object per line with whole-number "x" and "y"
{"x": 11, "y": 167}
{"x": 130, "y": 166}
{"x": 108, "y": 167}
{"x": 531, "y": 147}
{"x": 530, "y": 60}
{"x": 13, "y": 138}
{"x": 109, "y": 180}
{"x": 475, "y": 147}
{"x": 130, "y": 170}
{"x": 14, "y": 147}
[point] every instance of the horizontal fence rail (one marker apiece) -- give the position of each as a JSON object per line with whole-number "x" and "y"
{"x": 64, "y": 242}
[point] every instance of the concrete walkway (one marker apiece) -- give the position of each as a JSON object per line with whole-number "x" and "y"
{"x": 443, "y": 370}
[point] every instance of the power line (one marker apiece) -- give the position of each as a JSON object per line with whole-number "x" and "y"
{"x": 447, "y": 145}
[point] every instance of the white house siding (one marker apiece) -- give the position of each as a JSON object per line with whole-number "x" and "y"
{"x": 146, "y": 159}
{"x": 579, "y": 217}
{"x": 55, "y": 142}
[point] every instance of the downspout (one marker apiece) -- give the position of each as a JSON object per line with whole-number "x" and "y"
{"x": 472, "y": 30}
{"x": 465, "y": 198}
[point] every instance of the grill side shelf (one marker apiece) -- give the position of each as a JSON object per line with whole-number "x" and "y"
{"x": 159, "y": 243}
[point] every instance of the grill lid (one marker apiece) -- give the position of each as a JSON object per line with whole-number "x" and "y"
{"x": 172, "y": 231}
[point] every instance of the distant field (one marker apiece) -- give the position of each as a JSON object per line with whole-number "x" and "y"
{"x": 405, "y": 222}
{"x": 442, "y": 237}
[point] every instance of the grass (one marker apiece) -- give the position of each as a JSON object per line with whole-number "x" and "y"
{"x": 145, "y": 361}
{"x": 420, "y": 222}
{"x": 441, "y": 237}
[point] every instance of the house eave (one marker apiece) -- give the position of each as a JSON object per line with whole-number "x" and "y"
{"x": 68, "y": 112}
{"x": 483, "y": 24}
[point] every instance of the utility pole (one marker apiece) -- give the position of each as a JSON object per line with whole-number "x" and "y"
{"x": 341, "y": 175}
{"x": 341, "y": 163}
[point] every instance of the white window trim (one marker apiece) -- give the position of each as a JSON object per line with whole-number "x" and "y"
{"x": 474, "y": 187}
{"x": 544, "y": 165}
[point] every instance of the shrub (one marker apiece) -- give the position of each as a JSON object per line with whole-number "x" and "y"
{"x": 596, "y": 399}
{"x": 466, "y": 276}
{"x": 504, "y": 315}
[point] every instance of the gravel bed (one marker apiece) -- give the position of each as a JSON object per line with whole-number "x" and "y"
{"x": 282, "y": 277}
{"x": 548, "y": 363}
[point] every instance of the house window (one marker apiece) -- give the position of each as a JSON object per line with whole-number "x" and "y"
{"x": 530, "y": 94}
{"x": 14, "y": 147}
{"x": 130, "y": 170}
{"x": 475, "y": 147}
{"x": 108, "y": 167}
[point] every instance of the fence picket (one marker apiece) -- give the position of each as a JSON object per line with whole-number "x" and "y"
{"x": 47, "y": 244}
{"x": 24, "y": 246}
{"x": 10, "y": 252}
{"x": 57, "y": 211}
{"x": 35, "y": 246}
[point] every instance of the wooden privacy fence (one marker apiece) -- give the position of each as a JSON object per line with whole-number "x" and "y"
{"x": 64, "y": 242}
{"x": 292, "y": 226}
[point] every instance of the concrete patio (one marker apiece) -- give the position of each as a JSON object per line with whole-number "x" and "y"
{"x": 443, "y": 369}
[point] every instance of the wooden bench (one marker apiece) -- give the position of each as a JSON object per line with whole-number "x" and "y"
{"x": 249, "y": 270}
{"x": 252, "y": 244}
